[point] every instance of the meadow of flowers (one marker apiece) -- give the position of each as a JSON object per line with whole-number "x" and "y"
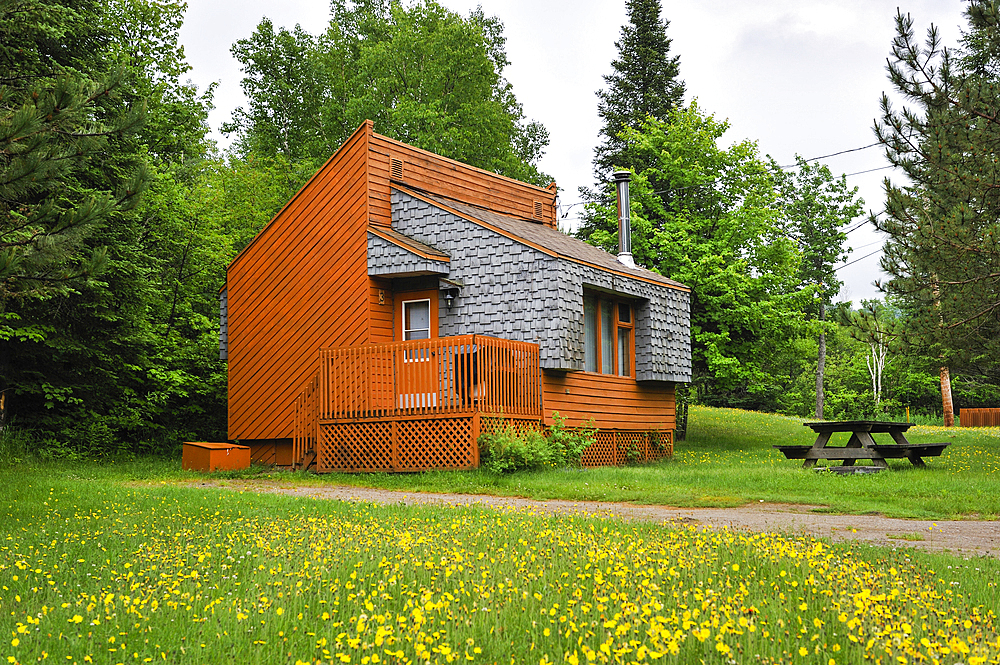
{"x": 114, "y": 574}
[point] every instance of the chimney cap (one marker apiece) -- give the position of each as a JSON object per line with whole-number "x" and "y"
{"x": 620, "y": 176}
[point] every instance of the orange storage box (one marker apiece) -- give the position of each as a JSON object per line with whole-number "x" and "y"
{"x": 206, "y": 456}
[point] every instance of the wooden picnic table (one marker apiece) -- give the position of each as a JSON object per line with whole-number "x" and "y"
{"x": 861, "y": 444}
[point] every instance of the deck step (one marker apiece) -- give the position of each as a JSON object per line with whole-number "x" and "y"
{"x": 307, "y": 462}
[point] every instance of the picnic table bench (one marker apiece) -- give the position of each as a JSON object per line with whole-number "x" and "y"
{"x": 861, "y": 444}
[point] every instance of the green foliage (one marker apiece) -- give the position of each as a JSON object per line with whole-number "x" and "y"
{"x": 508, "y": 450}
{"x": 644, "y": 84}
{"x": 716, "y": 227}
{"x": 129, "y": 361}
{"x": 568, "y": 444}
{"x": 816, "y": 206}
{"x": 54, "y": 122}
{"x": 943, "y": 248}
{"x": 425, "y": 75}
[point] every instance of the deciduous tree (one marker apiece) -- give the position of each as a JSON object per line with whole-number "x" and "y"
{"x": 425, "y": 75}
{"x": 816, "y": 207}
{"x": 718, "y": 231}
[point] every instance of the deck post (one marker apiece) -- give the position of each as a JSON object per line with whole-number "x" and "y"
{"x": 476, "y": 424}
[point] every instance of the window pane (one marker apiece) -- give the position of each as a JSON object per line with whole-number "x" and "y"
{"x": 590, "y": 334}
{"x": 625, "y": 351}
{"x": 624, "y": 313}
{"x": 607, "y": 338}
{"x": 417, "y": 319}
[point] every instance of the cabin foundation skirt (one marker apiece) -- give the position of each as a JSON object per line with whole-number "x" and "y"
{"x": 419, "y": 443}
{"x": 409, "y": 443}
{"x": 618, "y": 447}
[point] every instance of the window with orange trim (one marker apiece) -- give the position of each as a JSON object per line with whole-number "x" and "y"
{"x": 608, "y": 336}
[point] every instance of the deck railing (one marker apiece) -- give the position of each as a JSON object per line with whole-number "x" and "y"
{"x": 430, "y": 376}
{"x": 306, "y": 425}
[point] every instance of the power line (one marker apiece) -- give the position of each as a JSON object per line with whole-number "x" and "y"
{"x": 856, "y": 260}
{"x": 881, "y": 168}
{"x": 833, "y": 154}
{"x": 790, "y": 166}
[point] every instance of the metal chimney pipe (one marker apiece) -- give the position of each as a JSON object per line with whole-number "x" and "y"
{"x": 622, "y": 179}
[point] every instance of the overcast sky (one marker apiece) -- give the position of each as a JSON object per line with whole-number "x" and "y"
{"x": 797, "y": 76}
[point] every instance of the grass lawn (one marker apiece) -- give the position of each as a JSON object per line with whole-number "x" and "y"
{"x": 728, "y": 461}
{"x": 95, "y": 570}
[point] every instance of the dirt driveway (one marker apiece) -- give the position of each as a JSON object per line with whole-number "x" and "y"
{"x": 963, "y": 538}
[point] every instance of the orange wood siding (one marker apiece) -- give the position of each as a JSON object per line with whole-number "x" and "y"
{"x": 614, "y": 402}
{"x": 302, "y": 284}
{"x": 448, "y": 178}
{"x": 380, "y": 314}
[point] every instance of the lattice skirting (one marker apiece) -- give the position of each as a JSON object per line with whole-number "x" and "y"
{"x": 404, "y": 444}
{"x": 419, "y": 444}
{"x": 617, "y": 447}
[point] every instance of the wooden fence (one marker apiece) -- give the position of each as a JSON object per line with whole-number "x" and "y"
{"x": 426, "y": 377}
{"x": 979, "y": 417}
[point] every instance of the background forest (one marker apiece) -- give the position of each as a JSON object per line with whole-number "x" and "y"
{"x": 118, "y": 215}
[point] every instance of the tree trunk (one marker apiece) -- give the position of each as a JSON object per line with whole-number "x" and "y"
{"x": 682, "y": 397}
{"x": 947, "y": 407}
{"x": 820, "y": 364}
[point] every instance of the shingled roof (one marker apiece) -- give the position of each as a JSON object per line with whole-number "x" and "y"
{"x": 545, "y": 238}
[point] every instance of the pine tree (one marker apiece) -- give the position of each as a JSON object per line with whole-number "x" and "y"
{"x": 943, "y": 250}
{"x": 644, "y": 83}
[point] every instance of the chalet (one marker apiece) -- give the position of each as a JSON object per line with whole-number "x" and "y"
{"x": 403, "y": 303}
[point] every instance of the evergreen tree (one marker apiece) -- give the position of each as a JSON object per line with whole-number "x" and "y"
{"x": 943, "y": 225}
{"x": 644, "y": 83}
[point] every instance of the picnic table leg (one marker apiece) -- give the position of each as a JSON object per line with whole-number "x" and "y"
{"x": 865, "y": 439}
{"x": 914, "y": 458}
{"x": 821, "y": 442}
{"x": 855, "y": 442}
{"x": 898, "y": 437}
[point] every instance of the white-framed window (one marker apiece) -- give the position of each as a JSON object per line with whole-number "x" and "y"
{"x": 416, "y": 319}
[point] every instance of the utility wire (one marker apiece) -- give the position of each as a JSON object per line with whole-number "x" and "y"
{"x": 833, "y": 154}
{"x": 566, "y": 207}
{"x": 856, "y": 260}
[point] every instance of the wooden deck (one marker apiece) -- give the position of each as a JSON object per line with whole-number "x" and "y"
{"x": 408, "y": 406}
{"x": 417, "y": 405}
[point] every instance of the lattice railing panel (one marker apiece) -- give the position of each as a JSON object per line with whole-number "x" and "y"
{"x": 439, "y": 443}
{"x": 494, "y": 424}
{"x": 360, "y": 446}
{"x": 632, "y": 446}
{"x": 448, "y": 443}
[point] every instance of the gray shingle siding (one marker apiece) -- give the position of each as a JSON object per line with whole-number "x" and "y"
{"x": 387, "y": 259}
{"x": 514, "y": 291}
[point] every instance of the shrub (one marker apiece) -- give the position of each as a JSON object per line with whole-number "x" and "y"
{"x": 508, "y": 450}
{"x": 568, "y": 444}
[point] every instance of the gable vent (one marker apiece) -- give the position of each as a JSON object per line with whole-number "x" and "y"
{"x": 538, "y": 209}
{"x": 395, "y": 168}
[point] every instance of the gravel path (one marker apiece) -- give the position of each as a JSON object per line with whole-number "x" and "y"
{"x": 961, "y": 537}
